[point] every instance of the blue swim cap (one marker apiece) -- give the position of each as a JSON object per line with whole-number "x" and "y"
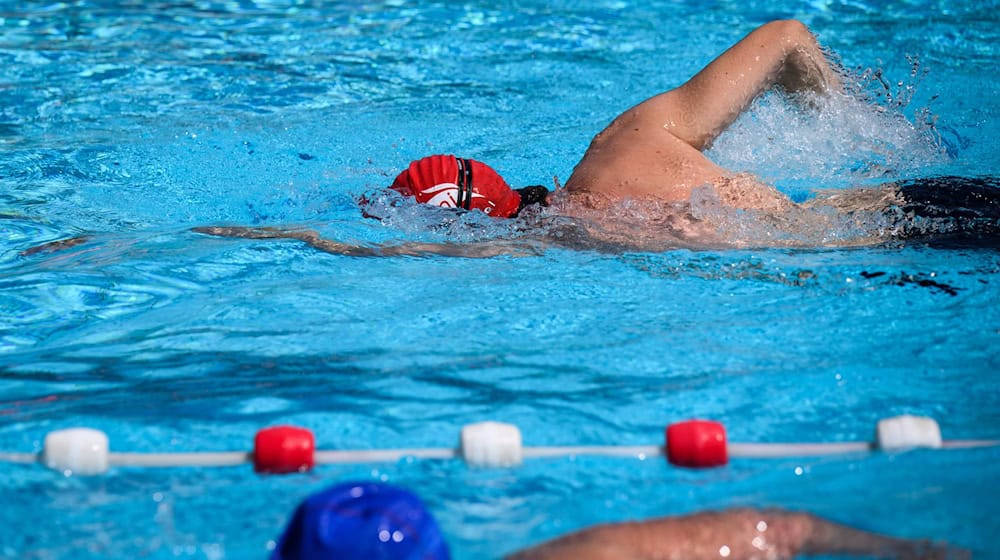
{"x": 362, "y": 521}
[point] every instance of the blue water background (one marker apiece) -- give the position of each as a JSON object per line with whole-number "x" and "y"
{"x": 135, "y": 122}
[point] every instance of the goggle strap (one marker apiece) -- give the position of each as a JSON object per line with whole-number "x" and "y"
{"x": 464, "y": 183}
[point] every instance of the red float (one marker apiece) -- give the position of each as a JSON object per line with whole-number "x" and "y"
{"x": 697, "y": 444}
{"x": 283, "y": 450}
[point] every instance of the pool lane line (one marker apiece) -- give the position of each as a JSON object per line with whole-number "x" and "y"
{"x": 287, "y": 449}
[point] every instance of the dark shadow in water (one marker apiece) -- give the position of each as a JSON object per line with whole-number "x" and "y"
{"x": 965, "y": 211}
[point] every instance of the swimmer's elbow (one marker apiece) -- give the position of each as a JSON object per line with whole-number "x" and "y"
{"x": 788, "y": 28}
{"x": 785, "y": 35}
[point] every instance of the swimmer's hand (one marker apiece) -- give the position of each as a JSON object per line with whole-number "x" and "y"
{"x": 484, "y": 249}
{"x": 53, "y": 246}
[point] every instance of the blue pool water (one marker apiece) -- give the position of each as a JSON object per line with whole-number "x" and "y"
{"x": 133, "y": 123}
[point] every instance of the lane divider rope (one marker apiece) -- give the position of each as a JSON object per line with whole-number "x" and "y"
{"x": 288, "y": 449}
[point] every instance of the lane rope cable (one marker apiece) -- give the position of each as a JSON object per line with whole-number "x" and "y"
{"x": 288, "y": 449}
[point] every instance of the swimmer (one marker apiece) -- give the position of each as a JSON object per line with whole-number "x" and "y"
{"x": 367, "y": 520}
{"x": 652, "y": 155}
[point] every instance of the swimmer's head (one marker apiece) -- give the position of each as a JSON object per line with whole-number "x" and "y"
{"x": 452, "y": 182}
{"x": 361, "y": 521}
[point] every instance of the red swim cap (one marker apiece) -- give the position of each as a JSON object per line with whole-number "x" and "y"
{"x": 458, "y": 183}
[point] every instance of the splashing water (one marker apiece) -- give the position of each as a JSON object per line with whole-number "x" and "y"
{"x": 430, "y": 223}
{"x": 804, "y": 143}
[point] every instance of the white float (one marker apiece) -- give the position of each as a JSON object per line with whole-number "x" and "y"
{"x": 906, "y": 432}
{"x": 492, "y": 445}
{"x": 80, "y": 451}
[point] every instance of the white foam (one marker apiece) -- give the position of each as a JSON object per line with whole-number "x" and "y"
{"x": 839, "y": 140}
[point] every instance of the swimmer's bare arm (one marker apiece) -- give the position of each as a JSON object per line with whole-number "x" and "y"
{"x": 415, "y": 249}
{"x": 780, "y": 53}
{"x": 736, "y": 534}
{"x": 58, "y": 245}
